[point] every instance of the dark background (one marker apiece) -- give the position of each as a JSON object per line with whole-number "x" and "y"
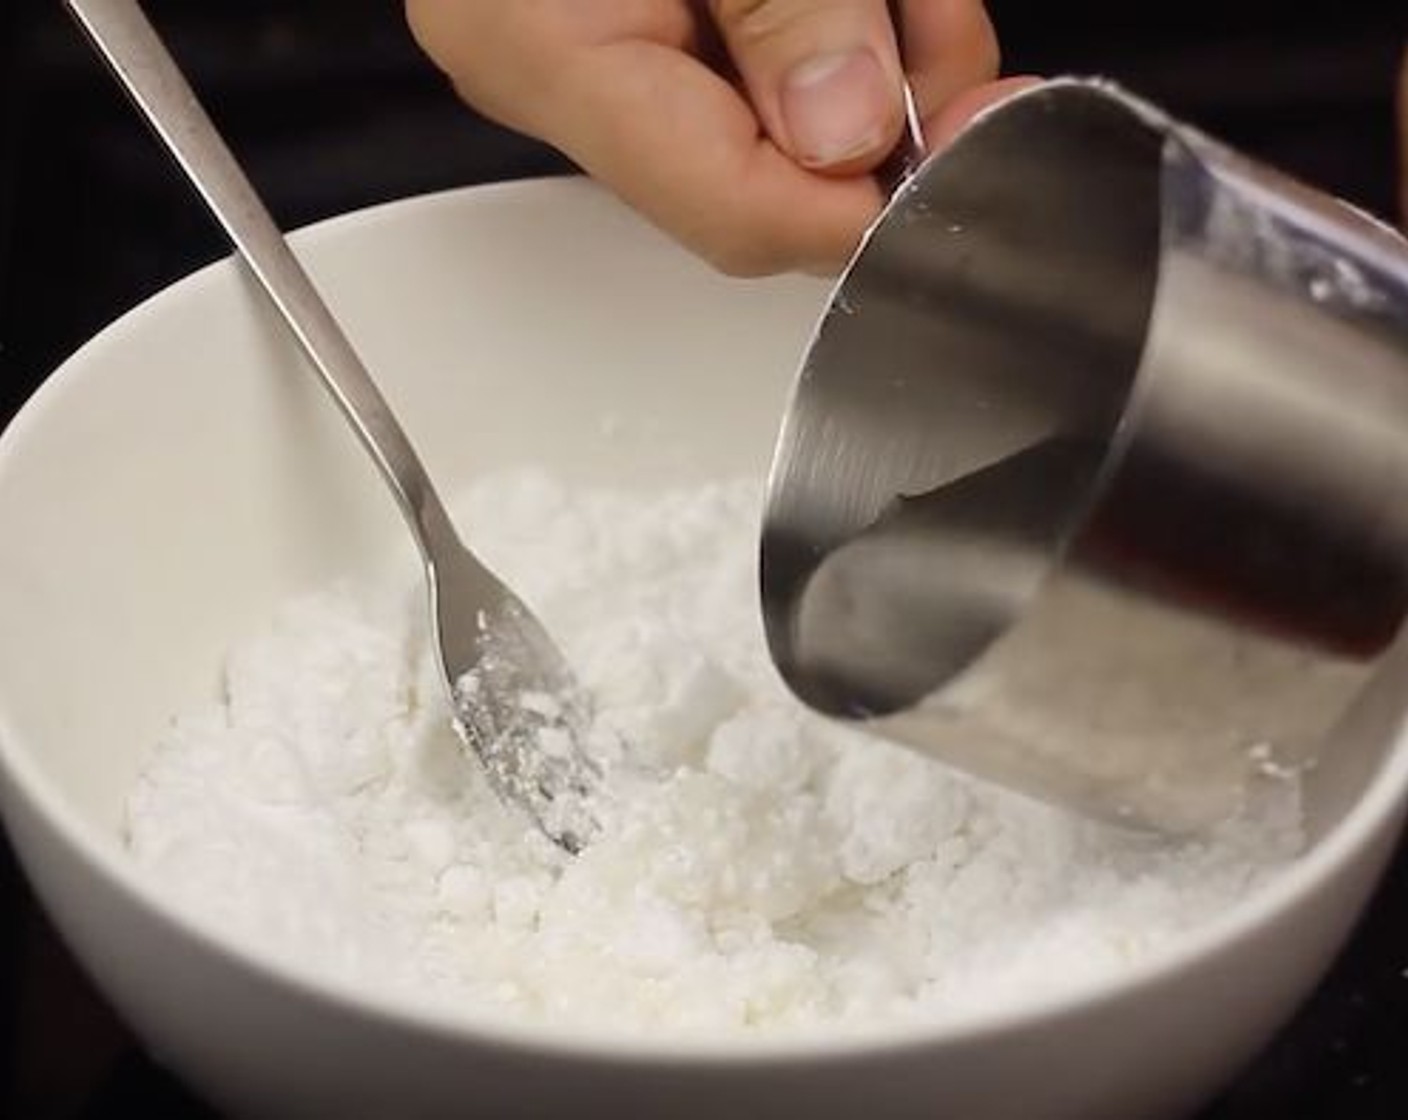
{"x": 332, "y": 107}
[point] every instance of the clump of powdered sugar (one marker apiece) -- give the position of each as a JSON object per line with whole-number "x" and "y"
{"x": 756, "y": 868}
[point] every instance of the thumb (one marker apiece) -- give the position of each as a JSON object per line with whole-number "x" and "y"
{"x": 824, "y": 77}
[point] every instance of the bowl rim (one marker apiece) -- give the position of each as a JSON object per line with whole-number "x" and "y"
{"x": 1378, "y": 808}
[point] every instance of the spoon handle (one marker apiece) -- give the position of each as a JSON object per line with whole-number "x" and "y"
{"x": 127, "y": 41}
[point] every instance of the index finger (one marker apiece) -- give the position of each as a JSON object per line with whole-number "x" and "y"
{"x": 949, "y": 46}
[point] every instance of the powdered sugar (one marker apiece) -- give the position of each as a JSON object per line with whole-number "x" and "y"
{"x": 757, "y": 868}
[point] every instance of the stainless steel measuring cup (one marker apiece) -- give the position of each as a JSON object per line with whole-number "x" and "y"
{"x": 1095, "y": 477}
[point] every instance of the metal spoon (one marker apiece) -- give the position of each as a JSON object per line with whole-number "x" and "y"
{"x": 514, "y": 700}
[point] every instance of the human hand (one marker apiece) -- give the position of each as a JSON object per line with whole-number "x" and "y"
{"x": 746, "y": 129}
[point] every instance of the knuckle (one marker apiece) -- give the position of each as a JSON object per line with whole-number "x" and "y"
{"x": 737, "y": 11}
{"x": 970, "y": 56}
{"x": 756, "y": 20}
{"x": 977, "y": 44}
{"x": 745, "y": 263}
{"x": 423, "y": 20}
{"x": 498, "y": 57}
{"x": 739, "y": 250}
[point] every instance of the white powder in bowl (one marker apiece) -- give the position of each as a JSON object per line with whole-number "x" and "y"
{"x": 758, "y": 868}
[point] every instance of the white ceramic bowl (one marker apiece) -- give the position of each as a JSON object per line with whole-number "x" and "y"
{"x": 181, "y": 475}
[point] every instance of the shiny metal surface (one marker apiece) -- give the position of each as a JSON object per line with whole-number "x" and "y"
{"x": 493, "y": 653}
{"x": 1093, "y": 480}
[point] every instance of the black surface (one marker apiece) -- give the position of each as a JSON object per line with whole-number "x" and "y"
{"x": 331, "y": 107}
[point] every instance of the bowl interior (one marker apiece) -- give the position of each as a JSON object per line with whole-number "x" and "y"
{"x": 183, "y": 474}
